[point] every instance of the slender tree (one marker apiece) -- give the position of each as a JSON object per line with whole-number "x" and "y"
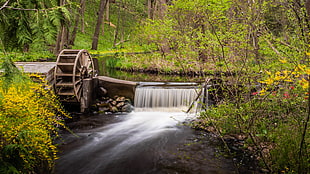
{"x": 79, "y": 14}
{"x": 63, "y": 34}
{"x": 102, "y": 6}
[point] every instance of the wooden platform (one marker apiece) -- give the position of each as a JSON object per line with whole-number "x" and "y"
{"x": 35, "y": 67}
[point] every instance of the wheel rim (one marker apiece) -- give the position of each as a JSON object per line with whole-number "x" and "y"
{"x": 72, "y": 66}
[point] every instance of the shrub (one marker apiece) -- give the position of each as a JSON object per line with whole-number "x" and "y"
{"x": 275, "y": 119}
{"x": 29, "y": 119}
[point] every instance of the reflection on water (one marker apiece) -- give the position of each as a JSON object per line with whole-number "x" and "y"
{"x": 138, "y": 76}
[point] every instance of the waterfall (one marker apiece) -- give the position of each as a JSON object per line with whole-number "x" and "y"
{"x": 165, "y": 97}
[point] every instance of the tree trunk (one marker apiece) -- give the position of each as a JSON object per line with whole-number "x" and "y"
{"x": 82, "y": 15}
{"x": 76, "y": 24}
{"x": 103, "y": 3}
{"x": 63, "y": 34}
{"x": 162, "y": 8}
{"x": 307, "y": 4}
{"x": 118, "y": 25}
{"x": 107, "y": 11}
{"x": 149, "y": 9}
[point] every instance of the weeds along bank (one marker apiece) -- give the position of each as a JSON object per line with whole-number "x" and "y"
{"x": 29, "y": 119}
{"x": 270, "y": 121}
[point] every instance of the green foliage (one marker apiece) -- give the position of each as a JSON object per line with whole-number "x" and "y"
{"x": 129, "y": 18}
{"x": 10, "y": 74}
{"x": 274, "y": 118}
{"x": 30, "y": 22}
{"x": 30, "y": 116}
{"x": 28, "y": 57}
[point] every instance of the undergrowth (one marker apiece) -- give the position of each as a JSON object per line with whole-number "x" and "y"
{"x": 30, "y": 116}
{"x": 274, "y": 117}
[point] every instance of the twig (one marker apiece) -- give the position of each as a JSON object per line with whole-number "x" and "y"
{"x": 28, "y": 9}
{"x": 260, "y": 151}
{"x": 122, "y": 41}
{"x": 199, "y": 94}
{"x": 290, "y": 46}
{"x": 304, "y": 132}
{"x": 4, "y": 5}
{"x": 273, "y": 48}
{"x": 218, "y": 132}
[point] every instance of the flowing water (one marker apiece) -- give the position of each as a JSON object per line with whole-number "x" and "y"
{"x": 141, "y": 142}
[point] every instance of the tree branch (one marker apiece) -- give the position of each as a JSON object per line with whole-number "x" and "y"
{"x": 274, "y": 49}
{"x": 4, "y": 5}
{"x": 27, "y": 9}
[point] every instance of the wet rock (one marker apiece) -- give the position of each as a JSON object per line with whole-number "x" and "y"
{"x": 114, "y": 109}
{"x": 102, "y": 104}
{"x": 127, "y": 108}
{"x": 120, "y": 99}
{"x": 120, "y": 105}
{"x": 113, "y": 105}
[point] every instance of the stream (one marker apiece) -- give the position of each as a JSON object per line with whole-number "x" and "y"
{"x": 140, "y": 143}
{"x": 153, "y": 139}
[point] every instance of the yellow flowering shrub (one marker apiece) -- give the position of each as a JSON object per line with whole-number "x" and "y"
{"x": 29, "y": 118}
{"x": 274, "y": 120}
{"x": 292, "y": 83}
{"x": 287, "y": 92}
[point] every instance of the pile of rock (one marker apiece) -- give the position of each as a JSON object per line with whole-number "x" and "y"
{"x": 113, "y": 105}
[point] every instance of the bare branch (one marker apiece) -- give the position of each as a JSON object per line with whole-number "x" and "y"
{"x": 26, "y": 9}
{"x": 4, "y": 5}
{"x": 273, "y": 48}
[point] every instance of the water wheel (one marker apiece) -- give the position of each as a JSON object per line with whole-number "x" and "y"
{"x": 72, "y": 66}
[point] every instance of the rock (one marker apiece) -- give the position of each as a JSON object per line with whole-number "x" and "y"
{"x": 102, "y": 104}
{"x": 127, "y": 108}
{"x": 118, "y": 104}
{"x": 103, "y": 109}
{"x": 113, "y": 109}
{"x": 121, "y": 104}
{"x": 114, "y": 103}
{"x": 120, "y": 99}
{"x": 102, "y": 91}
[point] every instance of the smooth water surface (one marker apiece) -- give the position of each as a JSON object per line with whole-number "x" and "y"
{"x": 140, "y": 143}
{"x": 129, "y": 146}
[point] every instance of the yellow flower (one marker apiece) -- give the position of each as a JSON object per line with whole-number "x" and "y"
{"x": 304, "y": 83}
{"x": 268, "y": 72}
{"x": 288, "y": 80}
{"x": 308, "y": 71}
{"x": 277, "y": 78}
{"x": 283, "y": 60}
{"x": 262, "y": 92}
{"x": 269, "y": 81}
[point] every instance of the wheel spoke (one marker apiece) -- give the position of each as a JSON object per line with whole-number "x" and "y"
{"x": 68, "y": 78}
{"x": 78, "y": 81}
{"x": 78, "y": 91}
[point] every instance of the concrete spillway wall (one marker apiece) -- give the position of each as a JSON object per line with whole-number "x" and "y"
{"x": 117, "y": 87}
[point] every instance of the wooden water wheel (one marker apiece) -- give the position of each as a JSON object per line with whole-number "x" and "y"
{"x": 72, "y": 66}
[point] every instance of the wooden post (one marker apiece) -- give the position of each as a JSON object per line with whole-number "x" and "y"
{"x": 95, "y": 88}
{"x": 96, "y": 67}
{"x": 87, "y": 94}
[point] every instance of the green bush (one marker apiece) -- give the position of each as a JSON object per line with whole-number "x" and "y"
{"x": 30, "y": 116}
